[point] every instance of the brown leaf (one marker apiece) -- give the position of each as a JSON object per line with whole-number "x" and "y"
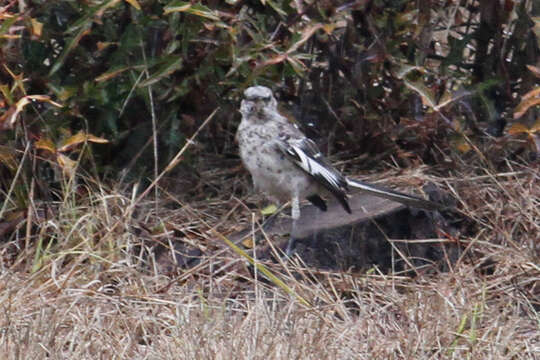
{"x": 37, "y": 28}
{"x": 248, "y": 243}
{"x": 194, "y": 9}
{"x": 134, "y": 3}
{"x": 45, "y": 144}
{"x": 68, "y": 166}
{"x": 78, "y": 139}
{"x": 534, "y": 93}
{"x": 535, "y": 70}
{"x": 10, "y": 117}
{"x": 102, "y": 45}
{"x": 72, "y": 141}
{"x": 96, "y": 139}
{"x": 275, "y": 60}
{"x": 527, "y": 102}
{"x": 111, "y": 74}
{"x": 462, "y": 145}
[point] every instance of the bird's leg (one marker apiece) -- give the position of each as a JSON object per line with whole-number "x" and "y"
{"x": 295, "y": 208}
{"x": 295, "y": 214}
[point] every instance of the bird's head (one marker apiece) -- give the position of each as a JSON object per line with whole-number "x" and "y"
{"x": 258, "y": 101}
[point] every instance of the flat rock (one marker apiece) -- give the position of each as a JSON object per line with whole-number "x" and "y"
{"x": 378, "y": 232}
{"x": 312, "y": 220}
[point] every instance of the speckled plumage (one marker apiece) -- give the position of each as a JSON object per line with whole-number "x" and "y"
{"x": 267, "y": 141}
{"x": 286, "y": 165}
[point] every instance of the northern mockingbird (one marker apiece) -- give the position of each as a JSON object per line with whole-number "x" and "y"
{"x": 286, "y": 165}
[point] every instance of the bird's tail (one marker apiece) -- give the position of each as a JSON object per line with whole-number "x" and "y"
{"x": 405, "y": 199}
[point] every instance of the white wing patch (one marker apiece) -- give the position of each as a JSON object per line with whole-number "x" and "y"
{"x": 304, "y": 153}
{"x": 315, "y": 168}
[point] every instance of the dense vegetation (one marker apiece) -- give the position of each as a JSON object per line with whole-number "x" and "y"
{"x": 99, "y": 99}
{"x": 382, "y": 77}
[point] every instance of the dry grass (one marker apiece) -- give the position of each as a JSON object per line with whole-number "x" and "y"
{"x": 87, "y": 287}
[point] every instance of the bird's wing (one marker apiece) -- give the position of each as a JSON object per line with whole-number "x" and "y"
{"x": 406, "y": 199}
{"x": 305, "y": 154}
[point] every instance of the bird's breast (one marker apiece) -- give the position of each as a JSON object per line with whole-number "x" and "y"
{"x": 270, "y": 170}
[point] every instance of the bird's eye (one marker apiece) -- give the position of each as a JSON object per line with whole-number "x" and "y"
{"x": 257, "y": 98}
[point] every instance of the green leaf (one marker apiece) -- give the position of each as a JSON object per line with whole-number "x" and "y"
{"x": 6, "y": 24}
{"x": 404, "y": 69}
{"x": 296, "y": 65}
{"x": 457, "y": 49}
{"x": 172, "y": 64}
{"x": 87, "y": 19}
{"x": 72, "y": 44}
{"x": 425, "y": 93}
{"x": 193, "y": 9}
{"x": 269, "y": 210}
{"x": 276, "y": 8}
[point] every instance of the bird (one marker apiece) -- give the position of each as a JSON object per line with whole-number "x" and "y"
{"x": 288, "y": 166}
